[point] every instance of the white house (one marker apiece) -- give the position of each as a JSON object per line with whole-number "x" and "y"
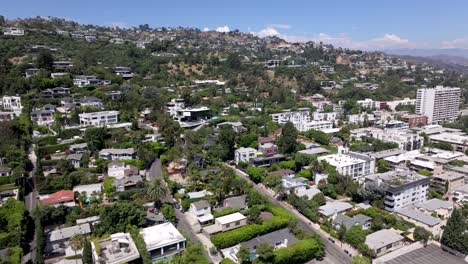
{"x": 163, "y": 241}
{"x": 384, "y": 241}
{"x": 244, "y": 155}
{"x": 201, "y": 210}
{"x": 117, "y": 154}
{"x": 99, "y": 118}
{"x": 350, "y": 163}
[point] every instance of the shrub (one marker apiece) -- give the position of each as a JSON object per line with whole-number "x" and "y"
{"x": 225, "y": 211}
{"x": 187, "y": 202}
{"x": 7, "y": 180}
{"x": 230, "y": 238}
{"x": 300, "y": 252}
{"x": 140, "y": 244}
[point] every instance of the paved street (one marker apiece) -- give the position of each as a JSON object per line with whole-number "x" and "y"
{"x": 30, "y": 201}
{"x": 333, "y": 253}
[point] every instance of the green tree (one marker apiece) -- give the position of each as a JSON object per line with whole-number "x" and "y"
{"x": 87, "y": 254}
{"x": 45, "y": 60}
{"x": 355, "y": 236}
{"x": 156, "y": 191}
{"x": 360, "y": 260}
{"x": 116, "y": 217}
{"x": 227, "y": 139}
{"x": 265, "y": 252}
{"x": 287, "y": 141}
{"x": 421, "y": 234}
{"x": 383, "y": 166}
{"x": 76, "y": 243}
{"x": 243, "y": 255}
{"x": 169, "y": 212}
{"x": 319, "y": 198}
{"x": 455, "y": 235}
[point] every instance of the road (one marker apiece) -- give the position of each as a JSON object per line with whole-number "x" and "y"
{"x": 30, "y": 201}
{"x": 182, "y": 224}
{"x": 333, "y": 253}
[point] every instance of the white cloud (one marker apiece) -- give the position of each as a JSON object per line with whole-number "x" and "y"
{"x": 223, "y": 29}
{"x": 206, "y": 29}
{"x": 455, "y": 43}
{"x": 282, "y": 26}
{"x": 390, "y": 40}
{"x": 267, "y": 32}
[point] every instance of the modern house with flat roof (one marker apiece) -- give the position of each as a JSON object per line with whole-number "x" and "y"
{"x": 163, "y": 241}
{"x": 442, "y": 208}
{"x": 331, "y": 209}
{"x": 447, "y": 182}
{"x": 99, "y": 118}
{"x": 350, "y": 163}
{"x": 117, "y": 154}
{"x": 428, "y": 222}
{"x": 245, "y": 155}
{"x": 384, "y": 241}
{"x": 403, "y": 188}
{"x": 119, "y": 248}
{"x": 459, "y": 142}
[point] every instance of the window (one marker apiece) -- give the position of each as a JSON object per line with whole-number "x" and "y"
{"x": 237, "y": 223}
{"x": 227, "y": 225}
{"x": 389, "y": 246}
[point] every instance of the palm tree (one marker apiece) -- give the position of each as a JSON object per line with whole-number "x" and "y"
{"x": 156, "y": 191}
{"x": 76, "y": 243}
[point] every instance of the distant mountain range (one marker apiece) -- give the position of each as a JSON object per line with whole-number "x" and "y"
{"x": 451, "y": 59}
{"x": 430, "y": 52}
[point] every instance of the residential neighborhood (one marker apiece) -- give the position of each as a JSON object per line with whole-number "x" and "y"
{"x": 134, "y": 144}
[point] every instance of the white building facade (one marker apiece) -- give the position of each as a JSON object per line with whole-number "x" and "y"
{"x": 439, "y": 104}
{"x": 99, "y": 118}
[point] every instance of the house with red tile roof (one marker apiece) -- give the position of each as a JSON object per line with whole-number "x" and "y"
{"x": 63, "y": 197}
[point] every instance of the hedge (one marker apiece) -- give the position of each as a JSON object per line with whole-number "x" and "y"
{"x": 233, "y": 237}
{"x": 225, "y": 211}
{"x": 50, "y": 149}
{"x": 300, "y": 252}
{"x": 49, "y": 162}
{"x": 6, "y": 180}
{"x": 140, "y": 244}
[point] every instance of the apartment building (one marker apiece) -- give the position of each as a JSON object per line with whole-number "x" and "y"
{"x": 406, "y": 140}
{"x": 350, "y": 163}
{"x": 302, "y": 115}
{"x": 403, "y": 188}
{"x": 458, "y": 142}
{"x": 99, "y": 118}
{"x": 439, "y": 104}
{"x": 460, "y": 195}
{"x": 414, "y": 120}
{"x": 447, "y": 182}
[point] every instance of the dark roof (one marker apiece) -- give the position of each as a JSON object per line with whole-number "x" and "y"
{"x": 235, "y": 202}
{"x": 201, "y": 204}
{"x": 271, "y": 238}
{"x": 282, "y": 172}
{"x": 431, "y": 254}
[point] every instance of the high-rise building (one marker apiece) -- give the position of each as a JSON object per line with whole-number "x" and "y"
{"x": 439, "y": 104}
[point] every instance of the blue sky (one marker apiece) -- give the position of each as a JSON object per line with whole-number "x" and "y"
{"x": 356, "y": 24}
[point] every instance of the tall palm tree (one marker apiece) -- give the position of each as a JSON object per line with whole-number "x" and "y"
{"x": 156, "y": 191}
{"x": 76, "y": 243}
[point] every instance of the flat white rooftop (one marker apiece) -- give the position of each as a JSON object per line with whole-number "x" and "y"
{"x": 161, "y": 235}
{"x": 341, "y": 160}
{"x": 230, "y": 218}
